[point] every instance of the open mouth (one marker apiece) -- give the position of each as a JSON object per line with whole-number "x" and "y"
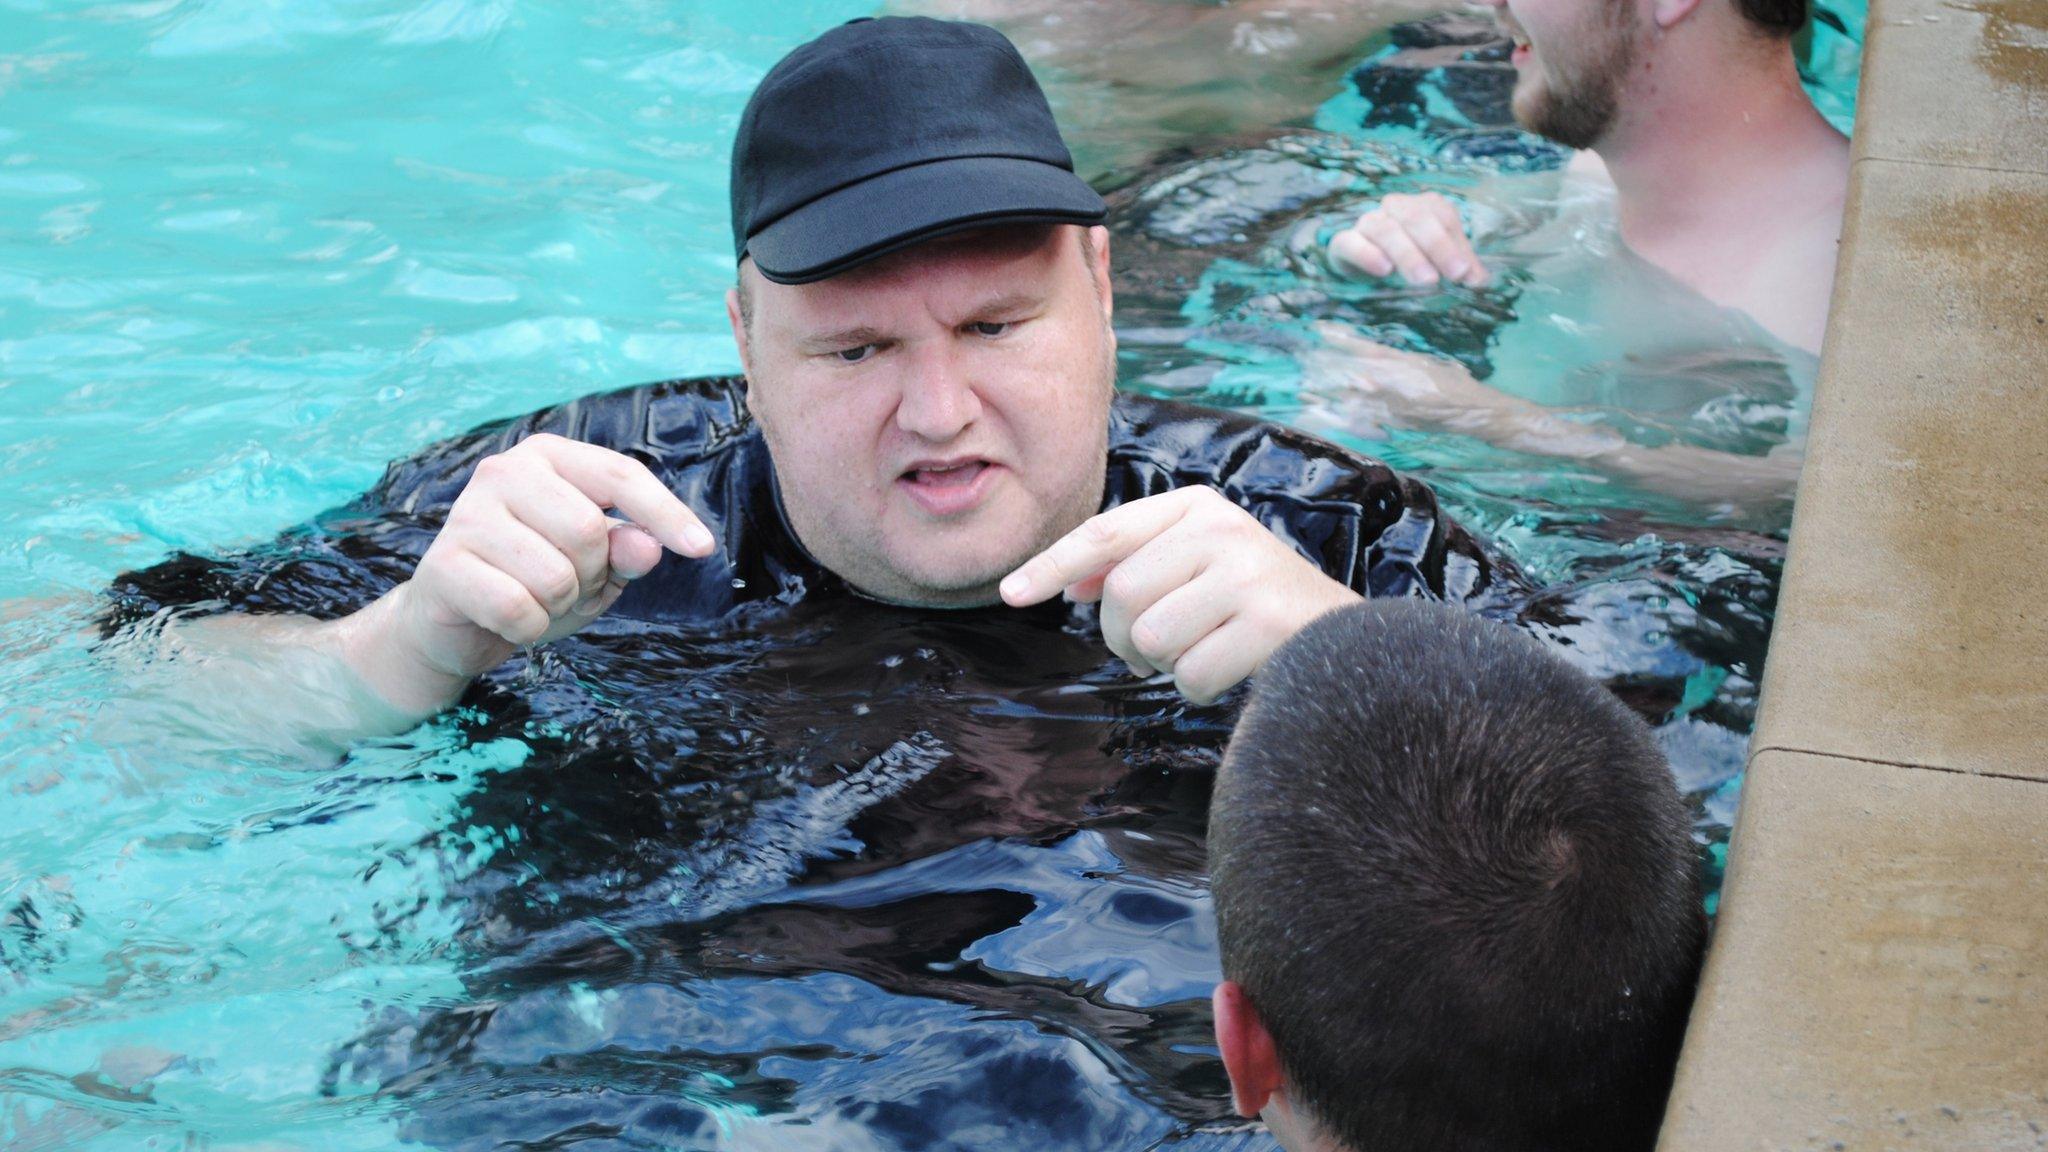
{"x": 1512, "y": 29}
{"x": 948, "y": 487}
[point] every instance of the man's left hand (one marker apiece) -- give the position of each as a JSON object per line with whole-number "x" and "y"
{"x": 1190, "y": 585}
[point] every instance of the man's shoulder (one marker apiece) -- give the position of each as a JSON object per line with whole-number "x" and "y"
{"x": 1171, "y": 444}
{"x": 669, "y": 425}
{"x": 1366, "y": 526}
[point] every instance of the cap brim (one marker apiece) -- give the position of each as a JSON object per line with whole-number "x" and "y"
{"x": 894, "y": 210}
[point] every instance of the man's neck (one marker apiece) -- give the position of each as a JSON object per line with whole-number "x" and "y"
{"x": 1713, "y": 143}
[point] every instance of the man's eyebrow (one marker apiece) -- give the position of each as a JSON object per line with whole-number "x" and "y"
{"x": 1007, "y": 303}
{"x": 841, "y": 340}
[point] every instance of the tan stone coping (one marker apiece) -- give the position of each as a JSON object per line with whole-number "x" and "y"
{"x": 1879, "y": 973}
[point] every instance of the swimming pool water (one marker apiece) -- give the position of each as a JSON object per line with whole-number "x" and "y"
{"x": 251, "y": 251}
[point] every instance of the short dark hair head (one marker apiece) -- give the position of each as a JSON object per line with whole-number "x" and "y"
{"x": 1455, "y": 878}
{"x": 1778, "y": 19}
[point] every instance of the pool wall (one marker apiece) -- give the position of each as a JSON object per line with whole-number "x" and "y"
{"x": 1879, "y": 976}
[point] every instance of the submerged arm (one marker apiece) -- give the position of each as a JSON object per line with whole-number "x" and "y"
{"x": 1443, "y": 393}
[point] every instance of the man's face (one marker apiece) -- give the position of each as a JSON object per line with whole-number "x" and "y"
{"x": 938, "y": 416}
{"x": 1572, "y": 58}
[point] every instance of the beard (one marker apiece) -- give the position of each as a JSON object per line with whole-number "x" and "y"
{"x": 1578, "y": 100}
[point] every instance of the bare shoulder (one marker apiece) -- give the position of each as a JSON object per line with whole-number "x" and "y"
{"x": 1793, "y": 284}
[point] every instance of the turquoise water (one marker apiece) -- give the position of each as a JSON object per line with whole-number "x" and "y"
{"x": 250, "y": 251}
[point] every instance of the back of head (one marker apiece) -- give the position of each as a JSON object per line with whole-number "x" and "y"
{"x": 1456, "y": 881}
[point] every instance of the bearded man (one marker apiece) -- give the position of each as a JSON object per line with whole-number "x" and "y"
{"x": 1725, "y": 179}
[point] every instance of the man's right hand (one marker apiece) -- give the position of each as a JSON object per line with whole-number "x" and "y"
{"x": 527, "y": 555}
{"x": 1420, "y": 236}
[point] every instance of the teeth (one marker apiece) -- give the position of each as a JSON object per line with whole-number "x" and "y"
{"x": 937, "y": 473}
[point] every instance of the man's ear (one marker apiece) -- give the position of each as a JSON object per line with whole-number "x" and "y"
{"x": 1249, "y": 1058}
{"x": 738, "y": 321}
{"x": 1668, "y": 13}
{"x": 1098, "y": 243}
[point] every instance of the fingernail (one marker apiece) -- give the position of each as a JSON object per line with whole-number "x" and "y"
{"x": 1013, "y": 586}
{"x": 1459, "y": 269}
{"x": 699, "y": 539}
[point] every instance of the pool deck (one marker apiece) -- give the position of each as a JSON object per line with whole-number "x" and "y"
{"x": 1879, "y": 976}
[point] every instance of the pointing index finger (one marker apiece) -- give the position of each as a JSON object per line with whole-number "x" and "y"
{"x": 617, "y": 481}
{"x": 1100, "y": 542}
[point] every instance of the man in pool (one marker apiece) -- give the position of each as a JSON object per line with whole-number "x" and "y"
{"x": 1456, "y": 900}
{"x": 1725, "y": 176}
{"x": 928, "y": 416}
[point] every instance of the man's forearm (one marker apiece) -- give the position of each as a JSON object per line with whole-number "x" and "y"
{"x": 1445, "y": 393}
{"x": 293, "y": 682}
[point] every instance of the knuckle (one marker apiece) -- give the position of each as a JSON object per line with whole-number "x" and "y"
{"x": 529, "y": 628}
{"x": 1098, "y": 530}
{"x": 1119, "y": 644}
{"x": 500, "y": 610}
{"x": 560, "y": 585}
{"x": 1147, "y": 642}
{"x": 622, "y": 470}
{"x": 494, "y": 467}
{"x": 592, "y": 529}
{"x": 1120, "y": 585}
{"x": 1196, "y": 682}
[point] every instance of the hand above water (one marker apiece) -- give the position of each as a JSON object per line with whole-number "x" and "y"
{"x": 1190, "y": 584}
{"x": 527, "y": 555}
{"x": 1419, "y": 236}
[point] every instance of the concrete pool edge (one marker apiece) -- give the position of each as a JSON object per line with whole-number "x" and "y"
{"x": 1879, "y": 975}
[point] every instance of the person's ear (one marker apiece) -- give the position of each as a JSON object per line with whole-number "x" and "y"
{"x": 1666, "y": 14}
{"x": 737, "y": 319}
{"x": 1098, "y": 243}
{"x": 1249, "y": 1057}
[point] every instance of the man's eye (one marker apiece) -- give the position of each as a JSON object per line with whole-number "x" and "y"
{"x": 855, "y": 355}
{"x": 990, "y": 327}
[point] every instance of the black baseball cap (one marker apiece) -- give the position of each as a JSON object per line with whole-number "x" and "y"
{"x": 886, "y": 132}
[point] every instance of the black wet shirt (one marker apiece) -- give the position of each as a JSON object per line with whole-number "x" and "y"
{"x": 1370, "y": 529}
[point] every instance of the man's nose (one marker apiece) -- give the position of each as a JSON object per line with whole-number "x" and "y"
{"x": 939, "y": 401}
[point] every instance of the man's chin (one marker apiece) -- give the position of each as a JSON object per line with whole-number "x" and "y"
{"x": 941, "y": 578}
{"x": 936, "y": 590}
